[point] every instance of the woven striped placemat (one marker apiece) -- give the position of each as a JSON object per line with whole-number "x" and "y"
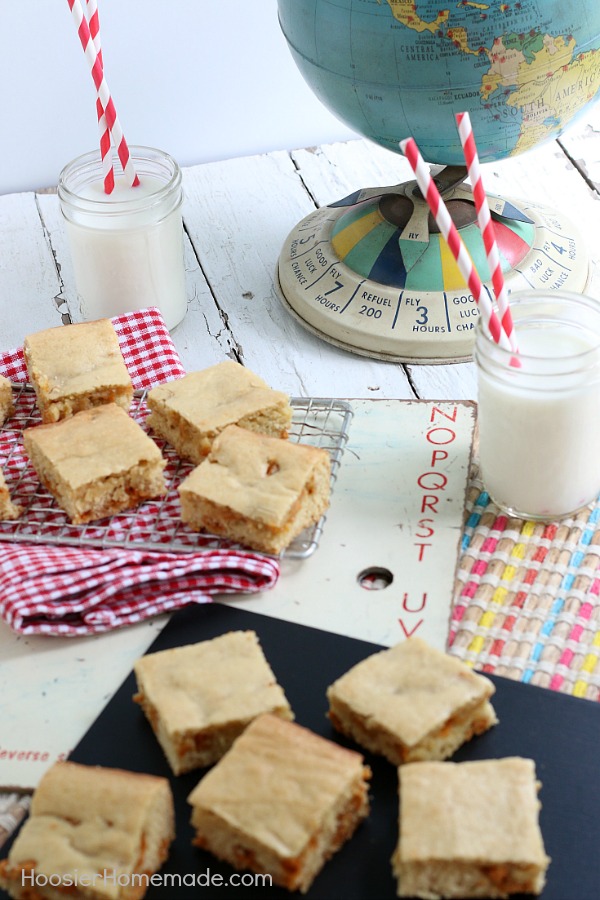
{"x": 526, "y": 602}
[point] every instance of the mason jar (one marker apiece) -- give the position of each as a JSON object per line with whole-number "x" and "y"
{"x": 126, "y": 246}
{"x": 539, "y": 410}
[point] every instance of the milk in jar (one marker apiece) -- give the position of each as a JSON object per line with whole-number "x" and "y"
{"x": 126, "y": 246}
{"x": 539, "y": 413}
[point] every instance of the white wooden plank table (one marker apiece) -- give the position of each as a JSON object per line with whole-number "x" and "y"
{"x": 237, "y": 214}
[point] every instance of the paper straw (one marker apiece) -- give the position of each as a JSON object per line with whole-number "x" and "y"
{"x": 105, "y": 145}
{"x": 450, "y": 233}
{"x": 486, "y": 225}
{"x": 103, "y": 91}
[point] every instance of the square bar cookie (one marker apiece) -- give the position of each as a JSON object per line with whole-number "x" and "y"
{"x": 96, "y": 463}
{"x": 200, "y": 697}
{"x": 92, "y": 832}
{"x": 8, "y": 509}
{"x": 76, "y": 367}
{"x": 6, "y": 399}
{"x": 282, "y": 801}
{"x": 191, "y": 411}
{"x": 411, "y": 702}
{"x": 259, "y": 491}
{"x": 469, "y": 829}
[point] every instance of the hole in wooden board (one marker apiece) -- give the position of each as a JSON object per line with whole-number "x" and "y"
{"x": 375, "y": 578}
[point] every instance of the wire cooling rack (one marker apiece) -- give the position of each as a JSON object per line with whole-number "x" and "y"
{"x": 155, "y": 524}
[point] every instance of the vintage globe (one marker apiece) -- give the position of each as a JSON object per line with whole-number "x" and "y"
{"x": 391, "y": 69}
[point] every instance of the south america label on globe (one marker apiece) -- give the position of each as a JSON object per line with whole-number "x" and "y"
{"x": 355, "y": 278}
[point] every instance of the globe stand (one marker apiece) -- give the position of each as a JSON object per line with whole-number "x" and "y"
{"x": 372, "y": 274}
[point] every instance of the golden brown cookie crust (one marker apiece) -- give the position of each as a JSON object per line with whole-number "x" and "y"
{"x": 96, "y": 463}
{"x": 76, "y": 367}
{"x": 189, "y": 412}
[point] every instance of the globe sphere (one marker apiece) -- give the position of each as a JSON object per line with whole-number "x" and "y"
{"x": 391, "y": 69}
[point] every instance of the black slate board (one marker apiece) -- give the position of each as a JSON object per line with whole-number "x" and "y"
{"x": 562, "y": 734}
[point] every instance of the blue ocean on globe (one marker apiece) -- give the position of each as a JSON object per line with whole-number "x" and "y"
{"x": 392, "y": 69}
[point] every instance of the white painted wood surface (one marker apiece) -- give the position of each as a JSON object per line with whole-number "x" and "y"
{"x": 237, "y": 214}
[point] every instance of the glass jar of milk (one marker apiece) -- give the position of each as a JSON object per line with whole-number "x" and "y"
{"x": 539, "y": 420}
{"x": 126, "y": 246}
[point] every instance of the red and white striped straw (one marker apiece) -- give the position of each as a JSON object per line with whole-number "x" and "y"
{"x": 486, "y": 225}
{"x": 456, "y": 244}
{"x": 103, "y": 91}
{"x": 104, "y": 131}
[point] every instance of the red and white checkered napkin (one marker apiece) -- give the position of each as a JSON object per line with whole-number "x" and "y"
{"x": 146, "y": 345}
{"x": 74, "y": 591}
{"x": 71, "y": 591}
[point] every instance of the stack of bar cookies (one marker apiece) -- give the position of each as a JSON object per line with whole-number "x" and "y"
{"x": 218, "y": 703}
{"x": 250, "y": 485}
{"x": 279, "y": 799}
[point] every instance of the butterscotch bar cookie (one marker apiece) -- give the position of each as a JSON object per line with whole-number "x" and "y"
{"x": 190, "y": 412}
{"x": 283, "y": 800}
{"x": 76, "y": 367}
{"x": 469, "y": 829}
{"x": 8, "y": 509}
{"x": 257, "y": 490}
{"x": 6, "y": 400}
{"x": 93, "y": 833}
{"x": 411, "y": 702}
{"x": 200, "y": 697}
{"x": 96, "y": 463}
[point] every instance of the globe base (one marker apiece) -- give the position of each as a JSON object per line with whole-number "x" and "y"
{"x": 372, "y": 275}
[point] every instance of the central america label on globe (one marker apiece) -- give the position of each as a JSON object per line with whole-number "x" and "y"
{"x": 392, "y": 69}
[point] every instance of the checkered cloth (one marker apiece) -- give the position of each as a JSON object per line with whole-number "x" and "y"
{"x": 69, "y": 591}
{"x": 74, "y": 591}
{"x": 146, "y": 344}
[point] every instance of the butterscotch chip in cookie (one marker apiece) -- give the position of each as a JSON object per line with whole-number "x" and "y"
{"x": 469, "y": 829}
{"x": 76, "y": 367}
{"x": 200, "y": 697}
{"x": 190, "y": 412}
{"x": 96, "y": 463}
{"x": 92, "y": 832}
{"x": 411, "y": 702}
{"x": 7, "y": 406}
{"x": 8, "y": 509}
{"x": 259, "y": 491}
{"x": 282, "y": 801}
